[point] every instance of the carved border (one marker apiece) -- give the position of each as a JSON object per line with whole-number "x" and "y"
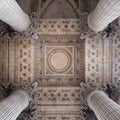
{"x": 79, "y": 60}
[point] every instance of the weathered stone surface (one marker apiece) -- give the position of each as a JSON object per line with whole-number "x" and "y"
{"x": 91, "y": 58}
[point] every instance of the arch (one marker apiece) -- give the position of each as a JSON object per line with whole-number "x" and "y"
{"x": 69, "y": 3}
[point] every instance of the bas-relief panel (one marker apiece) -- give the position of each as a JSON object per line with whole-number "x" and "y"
{"x": 50, "y": 71}
{"x": 116, "y": 57}
{"x": 21, "y": 59}
{"x": 25, "y": 59}
{"x": 60, "y": 116}
{"x": 58, "y": 93}
{"x": 93, "y": 59}
{"x": 60, "y": 26}
{"x": 59, "y": 96}
{"x": 102, "y": 58}
{"x": 58, "y": 60}
{"x": 59, "y": 103}
{"x": 4, "y": 59}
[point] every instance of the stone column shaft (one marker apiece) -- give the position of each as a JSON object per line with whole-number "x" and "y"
{"x": 12, "y": 106}
{"x": 12, "y": 14}
{"x": 103, "y": 107}
{"x": 105, "y": 12}
{"x": 119, "y": 101}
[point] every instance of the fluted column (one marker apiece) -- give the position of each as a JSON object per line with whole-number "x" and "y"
{"x": 105, "y": 12}
{"x": 103, "y": 107}
{"x": 12, "y": 14}
{"x": 12, "y": 106}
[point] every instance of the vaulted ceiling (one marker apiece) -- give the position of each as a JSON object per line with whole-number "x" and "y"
{"x": 58, "y": 8}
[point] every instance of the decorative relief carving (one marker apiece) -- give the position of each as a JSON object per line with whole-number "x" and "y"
{"x": 116, "y": 50}
{"x": 3, "y": 72}
{"x": 24, "y": 59}
{"x": 116, "y": 72}
{"x": 102, "y": 56}
{"x": 59, "y": 96}
{"x": 60, "y": 116}
{"x": 49, "y": 70}
{"x": 59, "y": 60}
{"x": 4, "y": 48}
{"x": 59, "y": 26}
{"x": 93, "y": 58}
{"x": 116, "y": 56}
{"x": 4, "y": 59}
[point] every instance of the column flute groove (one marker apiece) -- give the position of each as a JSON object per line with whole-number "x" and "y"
{"x": 12, "y": 14}
{"x": 103, "y": 107}
{"x": 105, "y": 12}
{"x": 13, "y": 105}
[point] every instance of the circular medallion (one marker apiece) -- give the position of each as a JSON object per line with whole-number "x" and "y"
{"x": 59, "y": 60}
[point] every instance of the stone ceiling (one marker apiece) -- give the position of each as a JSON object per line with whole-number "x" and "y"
{"x": 61, "y": 58}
